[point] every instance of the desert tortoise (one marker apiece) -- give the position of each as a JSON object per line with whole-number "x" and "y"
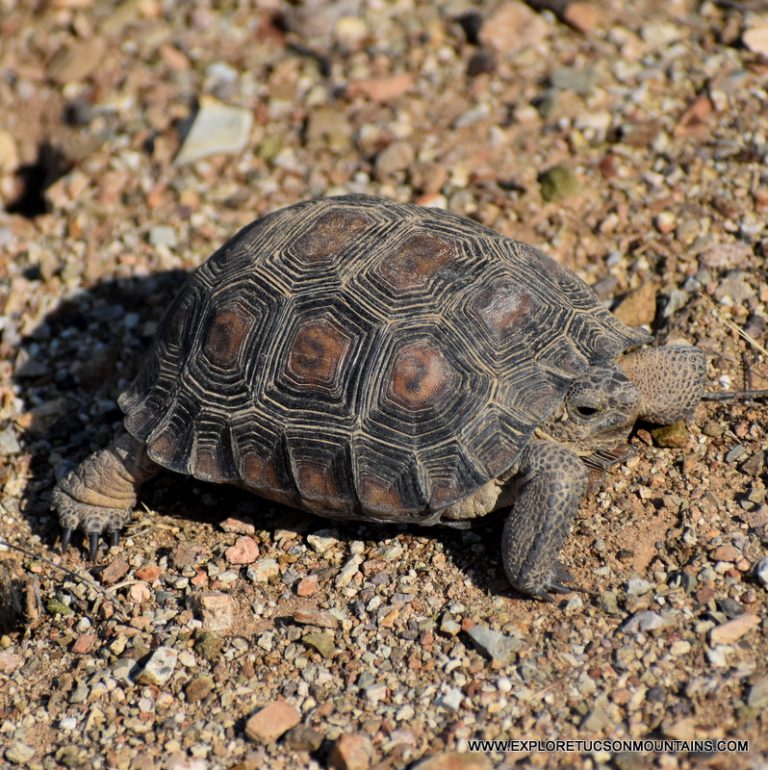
{"x": 361, "y": 358}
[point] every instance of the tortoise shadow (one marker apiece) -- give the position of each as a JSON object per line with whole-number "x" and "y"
{"x": 73, "y": 365}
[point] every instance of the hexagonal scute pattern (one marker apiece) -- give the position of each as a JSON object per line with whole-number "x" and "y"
{"x": 363, "y": 358}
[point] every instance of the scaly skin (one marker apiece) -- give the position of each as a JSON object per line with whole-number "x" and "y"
{"x": 99, "y": 495}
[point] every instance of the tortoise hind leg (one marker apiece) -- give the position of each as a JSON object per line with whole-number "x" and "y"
{"x": 550, "y": 485}
{"x": 99, "y": 495}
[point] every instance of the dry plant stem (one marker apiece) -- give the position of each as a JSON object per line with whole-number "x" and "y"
{"x": 736, "y": 395}
{"x": 119, "y": 609}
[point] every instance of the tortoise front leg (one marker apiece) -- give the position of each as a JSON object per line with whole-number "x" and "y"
{"x": 100, "y": 493}
{"x": 550, "y": 485}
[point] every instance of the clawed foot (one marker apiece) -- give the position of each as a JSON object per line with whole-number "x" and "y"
{"x": 556, "y": 583}
{"x": 91, "y": 519}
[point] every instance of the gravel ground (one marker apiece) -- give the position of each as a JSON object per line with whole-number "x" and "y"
{"x": 627, "y": 142}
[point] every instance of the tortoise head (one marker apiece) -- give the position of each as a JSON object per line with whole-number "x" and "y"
{"x": 598, "y": 411}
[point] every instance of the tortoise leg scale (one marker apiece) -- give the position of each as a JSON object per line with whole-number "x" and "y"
{"x": 550, "y": 485}
{"x": 99, "y": 495}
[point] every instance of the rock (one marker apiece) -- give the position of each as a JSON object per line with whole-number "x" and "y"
{"x": 599, "y": 719}
{"x": 638, "y": 307}
{"x": 321, "y": 642}
{"x": 315, "y": 618}
{"x": 758, "y": 694}
{"x": 726, "y": 256}
{"x": 755, "y": 38}
{"x": 216, "y": 610}
{"x": 682, "y": 730}
{"x": 77, "y": 61}
{"x": 9, "y": 662}
{"x": 19, "y": 753}
{"x": 735, "y": 453}
{"x": 188, "y": 554}
{"x": 84, "y": 643}
{"x": 58, "y": 607}
{"x": 351, "y": 752}
{"x": 675, "y": 435}
{"x": 641, "y": 622}
{"x": 217, "y": 128}
{"x": 348, "y": 571}
{"x": 9, "y": 444}
{"x": 263, "y": 570}
{"x": 753, "y": 465}
{"x": 580, "y": 80}
{"x": 322, "y": 540}
{"x": 454, "y": 760}
{"x": 761, "y": 572}
{"x": 270, "y": 722}
{"x": 116, "y": 570}
{"x": 244, "y": 551}
{"x": 350, "y": 32}
{"x": 726, "y": 552}
{"x": 209, "y": 646}
{"x": 149, "y": 572}
{"x": 452, "y": 699}
{"x": 557, "y": 183}
{"x": 163, "y": 235}
{"x": 733, "y": 630}
{"x": 329, "y": 127}
{"x": 582, "y": 16}
{"x": 393, "y": 159}
{"x": 495, "y": 645}
{"x": 199, "y": 688}
{"x": 238, "y": 526}
{"x": 512, "y": 27}
{"x": 308, "y": 586}
{"x": 383, "y": 89}
{"x": 375, "y": 692}
{"x": 159, "y": 667}
{"x": 303, "y": 738}
{"x": 9, "y": 154}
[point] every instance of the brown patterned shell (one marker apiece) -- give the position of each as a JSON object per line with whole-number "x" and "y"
{"x": 365, "y": 358}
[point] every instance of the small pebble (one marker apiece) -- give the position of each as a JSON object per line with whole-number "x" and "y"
{"x": 316, "y": 618}
{"x": 497, "y": 646}
{"x": 216, "y": 128}
{"x": 557, "y": 183}
{"x": 272, "y": 721}
{"x": 641, "y": 622}
{"x": 19, "y": 753}
{"x": 263, "y": 570}
{"x": 244, "y": 551}
{"x": 238, "y": 526}
{"x": 351, "y": 752}
{"x": 216, "y": 609}
{"x": 733, "y": 630}
{"x": 159, "y": 668}
{"x": 761, "y": 572}
{"x": 322, "y": 642}
{"x": 322, "y": 540}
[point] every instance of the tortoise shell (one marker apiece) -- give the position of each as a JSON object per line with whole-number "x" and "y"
{"x": 363, "y": 358}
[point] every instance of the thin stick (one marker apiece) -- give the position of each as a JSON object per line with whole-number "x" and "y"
{"x": 731, "y": 325}
{"x": 120, "y": 610}
{"x": 735, "y": 395}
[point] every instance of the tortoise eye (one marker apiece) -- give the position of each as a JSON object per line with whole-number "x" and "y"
{"x": 586, "y": 411}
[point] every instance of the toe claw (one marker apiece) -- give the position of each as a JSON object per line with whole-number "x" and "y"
{"x": 557, "y": 587}
{"x": 114, "y": 537}
{"x": 66, "y": 536}
{"x": 93, "y": 545}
